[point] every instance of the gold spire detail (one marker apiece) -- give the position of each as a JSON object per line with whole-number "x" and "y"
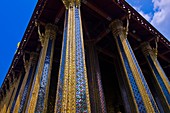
{"x": 70, "y": 3}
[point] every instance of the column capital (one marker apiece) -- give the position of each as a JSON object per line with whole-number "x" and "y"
{"x": 70, "y": 3}
{"x": 117, "y": 28}
{"x": 50, "y": 31}
{"x": 148, "y": 50}
{"x": 33, "y": 57}
{"x": 26, "y": 60}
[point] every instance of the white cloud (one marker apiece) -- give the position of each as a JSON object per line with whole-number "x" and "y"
{"x": 148, "y": 17}
{"x": 161, "y": 17}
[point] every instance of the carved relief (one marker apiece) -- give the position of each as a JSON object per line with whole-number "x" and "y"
{"x": 50, "y": 31}
{"x": 70, "y": 3}
{"x": 117, "y": 28}
{"x": 147, "y": 50}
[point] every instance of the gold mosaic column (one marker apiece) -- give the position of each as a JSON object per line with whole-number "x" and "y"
{"x": 17, "y": 90}
{"x": 161, "y": 82}
{"x": 14, "y": 93}
{"x": 142, "y": 97}
{"x": 25, "y": 87}
{"x": 39, "y": 92}
{"x": 72, "y": 90}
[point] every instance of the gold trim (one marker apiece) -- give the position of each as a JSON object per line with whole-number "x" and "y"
{"x": 33, "y": 100}
{"x": 138, "y": 80}
{"x": 50, "y": 34}
{"x": 4, "y": 102}
{"x": 69, "y": 88}
{"x": 58, "y": 84}
{"x": 147, "y": 50}
{"x": 71, "y": 3}
{"x": 27, "y": 66}
{"x": 65, "y": 90}
{"x": 118, "y": 29}
{"x": 127, "y": 78}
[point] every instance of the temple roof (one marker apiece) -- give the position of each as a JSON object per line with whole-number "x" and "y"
{"x": 96, "y": 17}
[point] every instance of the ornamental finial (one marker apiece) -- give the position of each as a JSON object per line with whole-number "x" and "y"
{"x": 70, "y": 3}
{"x": 118, "y": 29}
{"x": 147, "y": 49}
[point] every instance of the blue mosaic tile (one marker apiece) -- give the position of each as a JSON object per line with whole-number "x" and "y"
{"x": 164, "y": 89}
{"x": 135, "y": 89}
{"x": 44, "y": 79}
{"x": 62, "y": 66}
{"x": 25, "y": 92}
{"x": 33, "y": 83}
{"x": 143, "y": 79}
{"x": 17, "y": 92}
{"x": 81, "y": 104}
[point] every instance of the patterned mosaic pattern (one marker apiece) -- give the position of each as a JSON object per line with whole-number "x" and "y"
{"x": 17, "y": 92}
{"x": 135, "y": 89}
{"x": 102, "y": 98}
{"x": 32, "y": 86}
{"x": 44, "y": 80}
{"x": 25, "y": 92}
{"x": 71, "y": 92}
{"x": 61, "y": 76}
{"x": 143, "y": 79}
{"x": 164, "y": 89}
{"x": 81, "y": 104}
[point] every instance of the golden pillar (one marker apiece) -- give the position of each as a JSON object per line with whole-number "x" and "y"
{"x": 37, "y": 101}
{"x": 17, "y": 87}
{"x": 26, "y": 85}
{"x": 72, "y": 90}
{"x": 161, "y": 82}
{"x": 140, "y": 92}
{"x": 8, "y": 98}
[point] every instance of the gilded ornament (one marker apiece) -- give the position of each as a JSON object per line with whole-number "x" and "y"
{"x": 71, "y": 3}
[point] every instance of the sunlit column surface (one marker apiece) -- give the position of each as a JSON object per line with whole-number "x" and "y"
{"x": 10, "y": 99}
{"x": 72, "y": 90}
{"x": 17, "y": 88}
{"x": 24, "y": 92}
{"x": 160, "y": 79}
{"x": 142, "y": 97}
{"x": 39, "y": 92}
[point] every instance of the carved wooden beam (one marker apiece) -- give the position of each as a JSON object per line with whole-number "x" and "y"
{"x": 164, "y": 58}
{"x": 165, "y": 52}
{"x": 102, "y": 35}
{"x": 97, "y": 10}
{"x": 86, "y": 30}
{"x": 106, "y": 52}
{"x": 59, "y": 15}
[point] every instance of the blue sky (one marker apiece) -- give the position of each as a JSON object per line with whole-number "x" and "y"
{"x": 15, "y": 15}
{"x": 14, "y": 18}
{"x": 157, "y": 12}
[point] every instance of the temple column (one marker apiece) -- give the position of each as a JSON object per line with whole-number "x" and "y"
{"x": 98, "y": 104}
{"x": 17, "y": 89}
{"x": 37, "y": 101}
{"x": 72, "y": 90}
{"x": 26, "y": 85}
{"x": 142, "y": 97}
{"x": 161, "y": 82}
